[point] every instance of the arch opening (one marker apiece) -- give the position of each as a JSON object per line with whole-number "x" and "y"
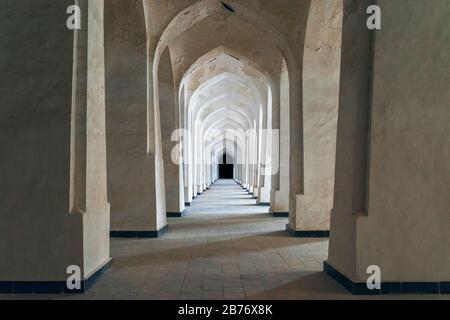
{"x": 226, "y": 166}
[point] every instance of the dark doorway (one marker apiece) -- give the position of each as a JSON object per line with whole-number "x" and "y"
{"x": 226, "y": 171}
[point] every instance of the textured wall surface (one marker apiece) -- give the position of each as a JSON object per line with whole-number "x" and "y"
{"x": 169, "y": 123}
{"x": 351, "y": 147}
{"x": 96, "y": 221}
{"x": 321, "y": 71}
{"x": 131, "y": 182}
{"x": 407, "y": 228}
{"x": 35, "y": 98}
{"x": 280, "y": 190}
{"x": 395, "y": 215}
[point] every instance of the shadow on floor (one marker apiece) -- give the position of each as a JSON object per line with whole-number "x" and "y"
{"x": 209, "y": 250}
{"x": 218, "y": 221}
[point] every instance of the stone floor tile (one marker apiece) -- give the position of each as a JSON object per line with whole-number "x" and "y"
{"x": 224, "y": 248}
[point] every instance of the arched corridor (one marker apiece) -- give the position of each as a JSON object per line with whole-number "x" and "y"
{"x": 238, "y": 149}
{"x": 226, "y": 247}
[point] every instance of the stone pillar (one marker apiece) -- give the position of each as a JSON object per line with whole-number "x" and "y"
{"x": 188, "y": 148}
{"x": 281, "y": 146}
{"x": 264, "y": 174}
{"x": 321, "y": 69}
{"x": 401, "y": 90}
{"x": 169, "y": 111}
{"x": 52, "y": 132}
{"x": 131, "y": 168}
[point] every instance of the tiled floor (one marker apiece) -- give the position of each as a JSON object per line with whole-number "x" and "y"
{"x": 226, "y": 247}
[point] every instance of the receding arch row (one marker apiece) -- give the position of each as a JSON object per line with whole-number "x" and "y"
{"x": 169, "y": 61}
{"x": 211, "y": 103}
{"x": 134, "y": 161}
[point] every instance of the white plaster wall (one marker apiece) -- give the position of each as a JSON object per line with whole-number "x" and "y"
{"x": 35, "y": 140}
{"x": 321, "y": 71}
{"x": 351, "y": 149}
{"x": 407, "y": 228}
{"x": 159, "y": 219}
{"x": 131, "y": 171}
{"x": 403, "y": 225}
{"x": 169, "y": 123}
{"x": 280, "y": 195}
{"x": 96, "y": 221}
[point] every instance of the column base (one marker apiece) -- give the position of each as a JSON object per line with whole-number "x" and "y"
{"x": 360, "y": 288}
{"x": 139, "y": 234}
{"x": 280, "y": 201}
{"x": 52, "y": 287}
{"x": 280, "y": 214}
{"x": 175, "y": 214}
{"x": 308, "y": 233}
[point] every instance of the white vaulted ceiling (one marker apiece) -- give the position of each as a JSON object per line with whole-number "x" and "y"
{"x": 225, "y": 93}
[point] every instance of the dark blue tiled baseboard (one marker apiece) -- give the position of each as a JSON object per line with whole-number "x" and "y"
{"x": 280, "y": 214}
{"x": 138, "y": 234}
{"x": 33, "y": 287}
{"x": 445, "y": 287}
{"x": 339, "y": 277}
{"x": 360, "y": 288}
{"x": 25, "y": 287}
{"x": 391, "y": 288}
{"x": 89, "y": 282}
{"x": 50, "y": 287}
{"x": 264, "y": 204}
{"x": 175, "y": 214}
{"x": 6, "y": 286}
{"x": 187, "y": 204}
{"x": 420, "y": 287}
{"x": 308, "y": 233}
